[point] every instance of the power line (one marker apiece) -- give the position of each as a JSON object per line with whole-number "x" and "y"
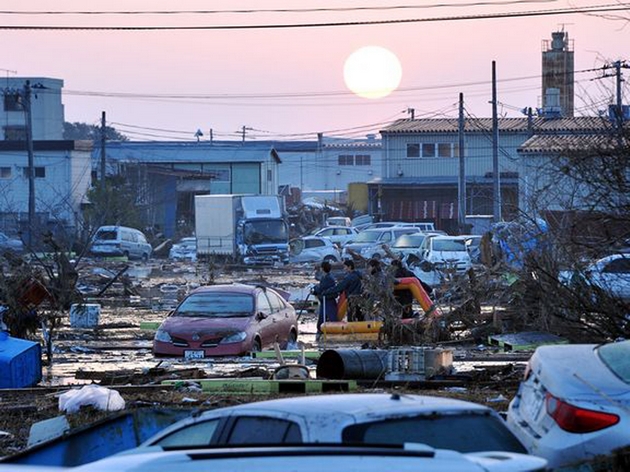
{"x": 276, "y": 10}
{"x": 552, "y": 12}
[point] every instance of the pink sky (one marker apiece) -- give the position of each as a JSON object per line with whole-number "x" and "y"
{"x": 439, "y": 60}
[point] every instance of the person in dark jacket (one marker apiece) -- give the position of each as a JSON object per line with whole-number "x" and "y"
{"x": 327, "y": 303}
{"x": 352, "y": 287}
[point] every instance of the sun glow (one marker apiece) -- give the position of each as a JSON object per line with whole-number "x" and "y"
{"x": 372, "y": 72}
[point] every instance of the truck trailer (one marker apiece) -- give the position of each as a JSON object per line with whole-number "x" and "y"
{"x": 250, "y": 229}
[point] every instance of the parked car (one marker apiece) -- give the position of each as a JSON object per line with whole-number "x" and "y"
{"x": 226, "y": 320}
{"x": 446, "y": 252}
{"x": 384, "y": 224}
{"x": 312, "y": 249}
{"x": 363, "y": 418}
{"x": 10, "y": 244}
{"x": 338, "y": 221}
{"x": 574, "y": 403}
{"x": 408, "y": 245}
{"x": 610, "y": 274}
{"x": 423, "y": 226}
{"x": 337, "y": 234}
{"x": 185, "y": 249}
{"x": 369, "y": 242}
{"x": 120, "y": 241}
{"x": 311, "y": 458}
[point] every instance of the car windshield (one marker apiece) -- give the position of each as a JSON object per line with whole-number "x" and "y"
{"x": 216, "y": 305}
{"x": 615, "y": 356}
{"x": 367, "y": 237}
{"x": 462, "y": 432}
{"x": 409, "y": 240}
{"x": 449, "y": 245}
{"x": 265, "y": 232}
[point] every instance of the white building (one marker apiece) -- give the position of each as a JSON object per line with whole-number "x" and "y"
{"x": 46, "y": 108}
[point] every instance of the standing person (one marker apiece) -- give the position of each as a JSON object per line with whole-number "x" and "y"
{"x": 352, "y": 287}
{"x": 327, "y": 303}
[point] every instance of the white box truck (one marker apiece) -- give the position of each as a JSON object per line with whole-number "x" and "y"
{"x": 251, "y": 229}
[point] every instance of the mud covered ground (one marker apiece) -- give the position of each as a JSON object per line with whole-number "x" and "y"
{"x": 117, "y": 352}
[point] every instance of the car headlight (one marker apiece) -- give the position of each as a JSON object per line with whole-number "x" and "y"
{"x": 366, "y": 250}
{"x": 163, "y": 336}
{"x": 234, "y": 338}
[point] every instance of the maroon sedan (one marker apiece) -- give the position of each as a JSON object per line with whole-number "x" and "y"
{"x": 226, "y": 320}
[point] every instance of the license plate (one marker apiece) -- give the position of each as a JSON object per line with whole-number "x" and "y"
{"x": 194, "y": 354}
{"x": 531, "y": 402}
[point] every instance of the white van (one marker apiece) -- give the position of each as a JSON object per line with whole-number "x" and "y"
{"x": 120, "y": 241}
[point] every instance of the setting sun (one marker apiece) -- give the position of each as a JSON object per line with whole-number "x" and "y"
{"x": 372, "y": 72}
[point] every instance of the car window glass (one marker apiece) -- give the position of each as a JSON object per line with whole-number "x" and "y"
{"x": 106, "y": 235}
{"x": 618, "y": 266}
{"x": 216, "y": 305}
{"x": 449, "y": 245}
{"x": 462, "y": 432}
{"x": 275, "y": 301}
{"x": 327, "y": 232}
{"x": 260, "y": 430}
{"x": 199, "y": 434}
{"x": 262, "y": 304}
{"x": 387, "y": 236}
{"x": 615, "y": 356}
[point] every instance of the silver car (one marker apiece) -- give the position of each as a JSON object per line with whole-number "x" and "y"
{"x": 375, "y": 418}
{"x": 312, "y": 249}
{"x": 574, "y": 403}
{"x": 337, "y": 234}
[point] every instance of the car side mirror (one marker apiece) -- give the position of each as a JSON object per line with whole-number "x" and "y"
{"x": 260, "y": 316}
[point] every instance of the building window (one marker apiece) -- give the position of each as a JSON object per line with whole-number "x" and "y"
{"x": 5, "y": 172}
{"x": 445, "y": 150}
{"x": 269, "y": 175}
{"x": 40, "y": 172}
{"x": 15, "y": 133}
{"x": 428, "y": 150}
{"x": 13, "y": 101}
{"x": 346, "y": 160}
{"x": 413, "y": 150}
{"x": 363, "y": 160}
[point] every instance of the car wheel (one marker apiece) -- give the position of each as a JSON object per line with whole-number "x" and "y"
{"x": 256, "y": 346}
{"x": 330, "y": 259}
{"x": 126, "y": 254}
{"x": 145, "y": 257}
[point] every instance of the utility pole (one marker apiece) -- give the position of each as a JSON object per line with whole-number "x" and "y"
{"x": 103, "y": 154}
{"x": 495, "y": 149}
{"x": 31, "y": 161}
{"x": 461, "y": 188}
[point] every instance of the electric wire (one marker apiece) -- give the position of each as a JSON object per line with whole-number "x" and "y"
{"x": 524, "y": 14}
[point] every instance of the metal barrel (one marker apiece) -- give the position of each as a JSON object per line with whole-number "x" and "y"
{"x": 356, "y": 364}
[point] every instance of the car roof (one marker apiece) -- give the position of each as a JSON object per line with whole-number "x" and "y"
{"x": 315, "y": 457}
{"x": 374, "y": 405}
{"x": 231, "y": 288}
{"x": 336, "y": 227}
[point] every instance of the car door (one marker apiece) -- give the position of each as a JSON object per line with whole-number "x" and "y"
{"x": 281, "y": 323}
{"x": 263, "y": 319}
